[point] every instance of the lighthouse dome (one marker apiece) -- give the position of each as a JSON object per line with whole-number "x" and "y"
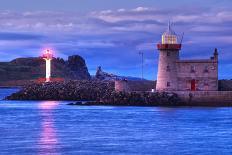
{"x": 169, "y": 36}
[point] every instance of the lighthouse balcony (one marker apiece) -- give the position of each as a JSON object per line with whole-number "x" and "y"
{"x": 168, "y": 46}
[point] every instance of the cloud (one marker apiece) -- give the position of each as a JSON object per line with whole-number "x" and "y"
{"x": 112, "y": 38}
{"x": 20, "y": 36}
{"x": 140, "y": 9}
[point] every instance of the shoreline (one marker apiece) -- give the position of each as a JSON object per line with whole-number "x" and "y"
{"x": 78, "y": 103}
{"x": 102, "y": 93}
{"x": 11, "y": 87}
{"x": 98, "y": 91}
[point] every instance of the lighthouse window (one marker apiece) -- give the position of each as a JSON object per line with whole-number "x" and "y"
{"x": 206, "y": 69}
{"x": 168, "y": 84}
{"x": 192, "y": 69}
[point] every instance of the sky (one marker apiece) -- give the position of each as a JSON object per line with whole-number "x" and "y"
{"x": 110, "y": 33}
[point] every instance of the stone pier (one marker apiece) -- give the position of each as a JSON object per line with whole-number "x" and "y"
{"x": 205, "y": 98}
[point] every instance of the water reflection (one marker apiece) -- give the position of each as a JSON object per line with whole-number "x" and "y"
{"x": 48, "y": 141}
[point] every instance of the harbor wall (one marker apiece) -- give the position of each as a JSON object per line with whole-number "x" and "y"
{"x": 205, "y": 98}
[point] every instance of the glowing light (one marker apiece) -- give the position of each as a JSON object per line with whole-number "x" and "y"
{"x": 48, "y": 141}
{"x": 47, "y": 56}
{"x": 169, "y": 37}
{"x": 48, "y": 105}
{"x": 48, "y": 70}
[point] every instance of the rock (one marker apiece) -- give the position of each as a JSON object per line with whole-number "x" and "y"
{"x": 76, "y": 103}
{"x": 101, "y": 75}
{"x": 93, "y": 92}
{"x": 77, "y": 67}
{"x": 70, "y": 90}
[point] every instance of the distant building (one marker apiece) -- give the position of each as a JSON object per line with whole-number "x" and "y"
{"x": 177, "y": 75}
{"x": 121, "y": 85}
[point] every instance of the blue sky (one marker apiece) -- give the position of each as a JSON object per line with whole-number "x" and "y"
{"x": 111, "y": 33}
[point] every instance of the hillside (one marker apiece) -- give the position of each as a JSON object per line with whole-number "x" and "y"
{"x": 22, "y": 70}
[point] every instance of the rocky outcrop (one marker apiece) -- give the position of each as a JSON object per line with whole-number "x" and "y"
{"x": 135, "y": 84}
{"x": 27, "y": 69}
{"x": 77, "y": 68}
{"x": 101, "y": 75}
{"x": 102, "y": 93}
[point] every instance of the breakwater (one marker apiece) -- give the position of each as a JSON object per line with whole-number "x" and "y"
{"x": 205, "y": 98}
{"x": 102, "y": 93}
{"x": 71, "y": 90}
{"x": 96, "y": 92}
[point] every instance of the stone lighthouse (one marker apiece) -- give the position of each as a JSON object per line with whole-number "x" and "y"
{"x": 168, "y": 55}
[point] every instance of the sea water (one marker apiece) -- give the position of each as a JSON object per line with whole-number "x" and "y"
{"x": 52, "y": 127}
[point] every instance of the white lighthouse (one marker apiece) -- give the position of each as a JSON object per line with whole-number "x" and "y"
{"x": 47, "y": 56}
{"x": 168, "y": 55}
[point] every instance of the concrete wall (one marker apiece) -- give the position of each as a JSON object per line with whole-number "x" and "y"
{"x": 207, "y": 98}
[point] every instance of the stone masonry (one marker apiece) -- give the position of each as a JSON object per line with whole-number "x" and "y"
{"x": 181, "y": 75}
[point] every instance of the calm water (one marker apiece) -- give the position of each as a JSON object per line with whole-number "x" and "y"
{"x": 42, "y": 128}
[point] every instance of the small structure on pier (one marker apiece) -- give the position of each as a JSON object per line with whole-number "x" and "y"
{"x": 121, "y": 85}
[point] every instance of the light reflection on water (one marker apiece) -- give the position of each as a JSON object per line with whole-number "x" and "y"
{"x": 34, "y": 127}
{"x": 48, "y": 141}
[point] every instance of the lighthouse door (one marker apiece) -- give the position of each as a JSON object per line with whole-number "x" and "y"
{"x": 193, "y": 85}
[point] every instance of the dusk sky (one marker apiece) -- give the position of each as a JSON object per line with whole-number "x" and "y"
{"x": 110, "y": 33}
